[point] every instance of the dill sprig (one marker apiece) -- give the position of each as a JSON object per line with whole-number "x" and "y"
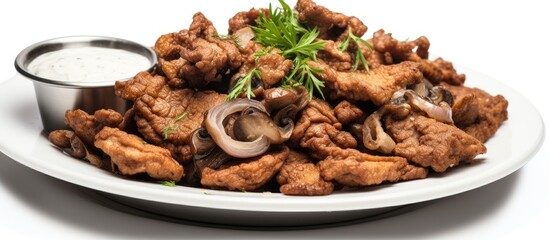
{"x": 282, "y": 30}
{"x": 359, "y": 56}
{"x": 244, "y": 84}
{"x": 305, "y": 77}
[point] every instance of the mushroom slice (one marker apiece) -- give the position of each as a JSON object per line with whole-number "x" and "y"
{"x": 214, "y": 125}
{"x": 284, "y": 119}
{"x": 201, "y": 143}
{"x": 253, "y": 124}
{"x": 439, "y": 95}
{"x": 442, "y": 112}
{"x": 278, "y": 98}
{"x": 374, "y": 137}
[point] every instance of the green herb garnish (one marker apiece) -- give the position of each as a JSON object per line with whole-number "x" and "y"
{"x": 359, "y": 56}
{"x": 166, "y": 129}
{"x": 282, "y": 30}
{"x": 228, "y": 37}
{"x": 170, "y": 127}
{"x": 244, "y": 84}
{"x": 180, "y": 117}
{"x": 167, "y": 183}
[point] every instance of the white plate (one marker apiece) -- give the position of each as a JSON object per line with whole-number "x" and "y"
{"x": 513, "y": 145}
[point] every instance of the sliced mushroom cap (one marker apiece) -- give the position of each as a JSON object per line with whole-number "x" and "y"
{"x": 214, "y": 124}
{"x": 374, "y": 137}
{"x": 441, "y": 112}
{"x": 277, "y": 98}
{"x": 253, "y": 124}
{"x": 439, "y": 94}
{"x": 284, "y": 119}
{"x": 302, "y": 97}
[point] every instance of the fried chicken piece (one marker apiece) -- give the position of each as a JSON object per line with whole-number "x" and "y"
{"x": 273, "y": 67}
{"x": 336, "y": 59}
{"x": 318, "y": 139}
{"x": 436, "y": 71}
{"x": 164, "y": 116}
{"x": 347, "y": 112}
{"x": 319, "y": 128}
{"x": 400, "y": 50}
{"x": 245, "y": 175}
{"x": 85, "y": 126}
{"x": 353, "y": 168}
{"x": 317, "y": 111}
{"x": 245, "y": 19}
{"x": 194, "y": 57}
{"x": 431, "y": 143}
{"x": 377, "y": 85}
{"x": 142, "y": 83}
{"x": 61, "y": 138}
{"x": 131, "y": 156}
{"x": 476, "y": 112}
{"x": 300, "y": 176}
{"x": 331, "y": 25}
{"x": 169, "y": 121}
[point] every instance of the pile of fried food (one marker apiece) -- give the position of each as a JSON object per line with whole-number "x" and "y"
{"x": 292, "y": 100}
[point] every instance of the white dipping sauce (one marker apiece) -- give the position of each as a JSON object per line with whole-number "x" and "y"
{"x": 88, "y": 64}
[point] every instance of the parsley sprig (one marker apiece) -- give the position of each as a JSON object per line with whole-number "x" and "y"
{"x": 282, "y": 30}
{"x": 359, "y": 56}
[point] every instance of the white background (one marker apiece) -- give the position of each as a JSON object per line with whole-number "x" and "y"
{"x": 506, "y": 40}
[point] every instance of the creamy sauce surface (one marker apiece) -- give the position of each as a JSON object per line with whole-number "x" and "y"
{"x": 88, "y": 64}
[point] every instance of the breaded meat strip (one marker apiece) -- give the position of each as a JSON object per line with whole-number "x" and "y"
{"x": 331, "y": 25}
{"x": 164, "y": 116}
{"x": 394, "y": 51}
{"x": 132, "y": 156}
{"x": 245, "y": 19}
{"x": 377, "y": 85}
{"x": 300, "y": 176}
{"x": 319, "y": 127}
{"x": 353, "y": 168}
{"x": 245, "y": 174}
{"x": 476, "y": 112}
{"x": 430, "y": 143}
{"x": 85, "y": 126}
{"x": 194, "y": 57}
{"x": 347, "y": 112}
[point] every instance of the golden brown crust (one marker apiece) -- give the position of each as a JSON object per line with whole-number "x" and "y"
{"x": 132, "y": 155}
{"x": 248, "y": 175}
{"x": 300, "y": 176}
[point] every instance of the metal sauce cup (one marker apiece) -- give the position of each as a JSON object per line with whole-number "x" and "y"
{"x": 55, "y": 97}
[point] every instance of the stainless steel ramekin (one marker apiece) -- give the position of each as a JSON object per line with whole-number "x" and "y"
{"x": 56, "y": 97}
